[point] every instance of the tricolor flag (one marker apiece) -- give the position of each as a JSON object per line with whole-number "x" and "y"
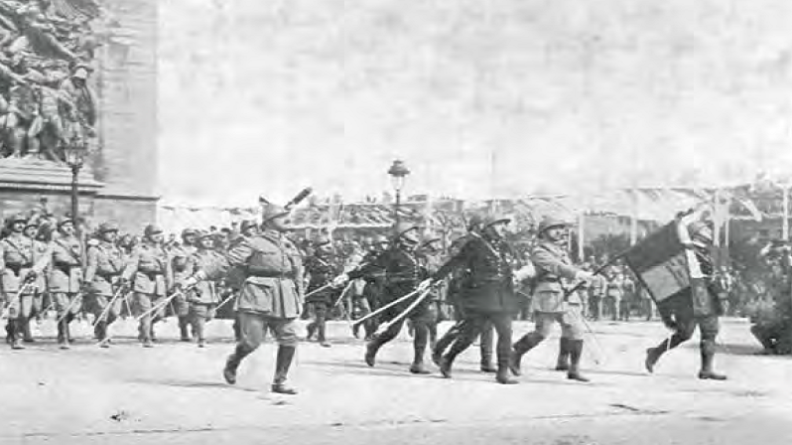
{"x": 661, "y": 263}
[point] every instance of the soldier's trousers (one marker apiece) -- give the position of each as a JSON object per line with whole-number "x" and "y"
{"x": 477, "y": 323}
{"x": 361, "y": 308}
{"x": 199, "y": 314}
{"x": 143, "y": 304}
{"x": 20, "y": 309}
{"x": 420, "y": 322}
{"x": 181, "y": 309}
{"x": 686, "y": 326}
{"x": 67, "y": 307}
{"x": 486, "y": 339}
{"x": 99, "y": 308}
{"x": 319, "y": 323}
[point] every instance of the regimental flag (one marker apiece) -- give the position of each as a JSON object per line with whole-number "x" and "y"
{"x": 661, "y": 263}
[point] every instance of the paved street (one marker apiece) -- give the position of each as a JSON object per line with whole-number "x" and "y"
{"x": 174, "y": 394}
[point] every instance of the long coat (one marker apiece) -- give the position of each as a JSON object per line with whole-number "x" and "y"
{"x": 204, "y": 292}
{"x": 488, "y": 285}
{"x": 149, "y": 270}
{"x": 105, "y": 266}
{"x": 18, "y": 255}
{"x": 554, "y": 271}
{"x": 66, "y": 271}
{"x": 273, "y": 272}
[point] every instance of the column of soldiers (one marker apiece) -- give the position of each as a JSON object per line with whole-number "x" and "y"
{"x": 271, "y": 280}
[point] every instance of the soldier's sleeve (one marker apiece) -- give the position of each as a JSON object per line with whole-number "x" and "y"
{"x": 2, "y": 255}
{"x": 237, "y": 256}
{"x": 46, "y": 259}
{"x": 376, "y": 265}
{"x": 92, "y": 263}
{"x": 456, "y": 261}
{"x": 545, "y": 260}
{"x": 132, "y": 265}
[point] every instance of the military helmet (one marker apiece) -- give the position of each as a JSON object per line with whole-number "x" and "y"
{"x": 16, "y": 218}
{"x": 64, "y": 221}
{"x": 204, "y": 234}
{"x": 548, "y": 222}
{"x": 322, "y": 240}
{"x": 247, "y": 225}
{"x": 380, "y": 239}
{"x": 491, "y": 220}
{"x": 106, "y": 227}
{"x": 404, "y": 227}
{"x": 151, "y": 229}
{"x": 187, "y": 232}
{"x": 474, "y": 223}
{"x": 272, "y": 211}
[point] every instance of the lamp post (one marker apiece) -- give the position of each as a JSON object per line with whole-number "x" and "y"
{"x": 398, "y": 172}
{"x": 75, "y": 157}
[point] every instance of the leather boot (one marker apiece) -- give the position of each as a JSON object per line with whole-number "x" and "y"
{"x": 503, "y": 377}
{"x": 371, "y": 351}
{"x": 443, "y": 343}
{"x": 523, "y": 345}
{"x": 63, "y": 333}
{"x": 562, "y": 364}
{"x": 16, "y": 340}
{"x": 575, "y": 353}
{"x": 285, "y": 356}
{"x": 707, "y": 358}
{"x": 232, "y": 363}
{"x": 183, "y": 329}
{"x": 311, "y": 328}
{"x": 653, "y": 355}
{"x": 321, "y": 338}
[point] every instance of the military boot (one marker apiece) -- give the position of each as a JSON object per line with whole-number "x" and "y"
{"x": 503, "y": 377}
{"x": 562, "y": 364}
{"x": 184, "y": 334}
{"x": 63, "y": 333}
{"x": 16, "y": 337}
{"x": 575, "y": 353}
{"x": 707, "y": 358}
{"x": 232, "y": 363}
{"x": 523, "y": 345}
{"x": 371, "y": 351}
{"x": 285, "y": 356}
{"x": 311, "y": 328}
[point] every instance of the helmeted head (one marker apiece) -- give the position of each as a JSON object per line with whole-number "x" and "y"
{"x": 274, "y": 216}
{"x": 189, "y": 236}
{"x": 407, "y": 233}
{"x": 16, "y": 223}
{"x": 380, "y": 242}
{"x": 31, "y": 228}
{"x": 205, "y": 240}
{"x": 66, "y": 226}
{"x": 494, "y": 226}
{"x": 108, "y": 231}
{"x": 323, "y": 245}
{"x": 701, "y": 233}
{"x": 474, "y": 223}
{"x": 552, "y": 228}
{"x": 153, "y": 233}
{"x": 248, "y": 227}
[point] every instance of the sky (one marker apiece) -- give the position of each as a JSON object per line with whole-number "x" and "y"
{"x": 500, "y": 98}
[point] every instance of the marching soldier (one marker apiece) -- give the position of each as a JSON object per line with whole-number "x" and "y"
{"x": 179, "y": 258}
{"x": 403, "y": 274}
{"x": 235, "y": 278}
{"x": 149, "y": 272}
{"x": 41, "y": 236}
{"x": 696, "y": 306}
{"x": 487, "y": 295}
{"x": 66, "y": 278}
{"x": 459, "y": 282}
{"x": 373, "y": 287}
{"x": 105, "y": 265}
{"x": 554, "y": 270}
{"x": 271, "y": 295}
{"x": 20, "y": 268}
{"x": 203, "y": 297}
{"x": 429, "y": 256}
{"x": 321, "y": 271}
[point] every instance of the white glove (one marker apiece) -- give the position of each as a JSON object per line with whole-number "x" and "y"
{"x": 340, "y": 280}
{"x": 525, "y": 272}
{"x": 189, "y": 282}
{"x": 584, "y": 276}
{"x": 424, "y": 286}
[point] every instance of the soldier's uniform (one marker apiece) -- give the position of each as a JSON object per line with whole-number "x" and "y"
{"x": 21, "y": 265}
{"x": 487, "y": 296}
{"x": 554, "y": 274}
{"x": 321, "y": 271}
{"x": 149, "y": 272}
{"x": 403, "y": 274}
{"x": 204, "y": 296}
{"x": 270, "y": 298}
{"x": 696, "y": 306}
{"x": 105, "y": 264}
{"x": 372, "y": 290}
{"x": 179, "y": 258}
{"x": 459, "y": 281}
{"x": 65, "y": 280}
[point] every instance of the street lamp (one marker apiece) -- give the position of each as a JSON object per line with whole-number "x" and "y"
{"x": 74, "y": 152}
{"x": 398, "y": 172}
